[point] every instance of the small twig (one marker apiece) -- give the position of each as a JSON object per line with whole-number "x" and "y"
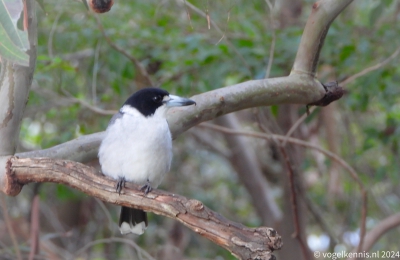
{"x": 107, "y": 213}
{"x": 208, "y": 17}
{"x": 51, "y": 34}
{"x": 319, "y": 218}
{"x": 297, "y": 124}
{"x": 372, "y": 68}
{"x": 227, "y": 21}
{"x": 87, "y": 105}
{"x": 95, "y": 71}
{"x": 363, "y": 217}
{"x": 112, "y": 240}
{"x": 188, "y": 15}
{"x": 292, "y": 140}
{"x": 139, "y": 67}
{"x": 271, "y": 55}
{"x": 272, "y": 48}
{"x": 35, "y": 228}
{"x": 201, "y": 13}
{"x": 294, "y": 203}
{"x": 9, "y": 226}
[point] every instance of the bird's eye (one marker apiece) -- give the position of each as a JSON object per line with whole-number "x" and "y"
{"x": 157, "y": 99}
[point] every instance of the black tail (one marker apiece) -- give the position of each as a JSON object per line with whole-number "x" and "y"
{"x": 132, "y": 221}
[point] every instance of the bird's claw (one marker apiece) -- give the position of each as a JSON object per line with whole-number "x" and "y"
{"x": 120, "y": 185}
{"x": 146, "y": 188}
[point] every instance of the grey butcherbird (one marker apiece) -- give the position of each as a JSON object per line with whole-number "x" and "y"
{"x": 137, "y": 147}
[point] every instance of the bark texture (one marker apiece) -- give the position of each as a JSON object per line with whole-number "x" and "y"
{"x": 241, "y": 241}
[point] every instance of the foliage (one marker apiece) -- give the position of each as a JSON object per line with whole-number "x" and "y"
{"x": 13, "y": 41}
{"x": 185, "y": 57}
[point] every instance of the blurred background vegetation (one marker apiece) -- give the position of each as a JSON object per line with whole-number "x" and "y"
{"x": 172, "y": 40}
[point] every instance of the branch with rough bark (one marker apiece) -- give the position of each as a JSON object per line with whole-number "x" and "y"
{"x": 241, "y": 241}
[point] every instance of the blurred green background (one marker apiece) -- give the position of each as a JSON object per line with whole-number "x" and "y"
{"x": 182, "y": 55}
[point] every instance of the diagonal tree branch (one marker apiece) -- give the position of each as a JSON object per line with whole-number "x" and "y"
{"x": 322, "y": 15}
{"x": 243, "y": 242}
{"x": 143, "y": 78}
{"x": 295, "y": 89}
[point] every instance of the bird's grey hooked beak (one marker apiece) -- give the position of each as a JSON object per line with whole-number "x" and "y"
{"x": 175, "y": 101}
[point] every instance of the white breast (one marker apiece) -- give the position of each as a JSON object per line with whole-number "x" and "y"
{"x": 138, "y": 148}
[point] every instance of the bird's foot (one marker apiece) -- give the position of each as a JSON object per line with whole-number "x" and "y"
{"x": 120, "y": 184}
{"x": 146, "y": 188}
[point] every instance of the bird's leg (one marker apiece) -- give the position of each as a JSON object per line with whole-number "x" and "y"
{"x": 120, "y": 184}
{"x": 146, "y": 188}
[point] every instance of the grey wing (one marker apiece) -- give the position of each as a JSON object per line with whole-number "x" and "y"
{"x": 114, "y": 118}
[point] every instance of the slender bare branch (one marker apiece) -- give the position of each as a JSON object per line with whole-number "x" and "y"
{"x": 298, "y": 123}
{"x": 372, "y": 68}
{"x": 143, "y": 77}
{"x": 292, "y": 140}
{"x": 215, "y": 25}
{"x": 243, "y": 242}
{"x": 35, "y": 228}
{"x": 272, "y": 48}
{"x": 379, "y": 230}
{"x": 10, "y": 229}
{"x": 92, "y": 108}
{"x": 294, "y": 204}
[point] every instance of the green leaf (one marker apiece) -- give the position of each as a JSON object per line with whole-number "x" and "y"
{"x": 346, "y": 52}
{"x": 11, "y": 52}
{"x": 9, "y": 14}
{"x": 13, "y": 41}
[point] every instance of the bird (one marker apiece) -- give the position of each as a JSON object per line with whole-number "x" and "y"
{"x": 137, "y": 148}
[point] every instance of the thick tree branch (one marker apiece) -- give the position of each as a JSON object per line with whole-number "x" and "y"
{"x": 322, "y": 15}
{"x": 243, "y": 242}
{"x": 295, "y": 89}
{"x": 82, "y": 149}
{"x": 15, "y": 82}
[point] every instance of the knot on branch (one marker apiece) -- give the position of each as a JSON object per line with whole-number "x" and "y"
{"x": 101, "y": 6}
{"x": 260, "y": 238}
{"x": 11, "y": 185}
{"x": 197, "y": 209}
{"x": 275, "y": 240}
{"x": 333, "y": 92}
{"x": 195, "y": 205}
